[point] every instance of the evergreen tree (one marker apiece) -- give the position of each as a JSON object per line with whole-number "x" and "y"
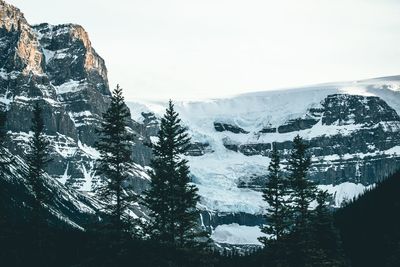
{"x": 302, "y": 193}
{"x": 327, "y": 250}
{"x": 37, "y": 160}
{"x": 186, "y": 213}
{"x": 115, "y": 147}
{"x": 171, "y": 199}
{"x": 275, "y": 195}
{"x": 302, "y": 190}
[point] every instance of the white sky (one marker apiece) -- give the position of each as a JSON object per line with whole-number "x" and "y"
{"x": 190, "y": 49}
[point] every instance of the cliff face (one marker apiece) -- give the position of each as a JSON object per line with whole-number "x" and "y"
{"x": 16, "y": 32}
{"x": 78, "y": 75}
{"x": 70, "y": 56}
{"x": 352, "y": 130}
{"x": 349, "y": 135}
{"x": 58, "y": 67}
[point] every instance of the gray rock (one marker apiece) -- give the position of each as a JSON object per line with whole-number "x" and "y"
{"x": 222, "y": 127}
{"x": 268, "y": 130}
{"x": 297, "y": 125}
{"x": 378, "y": 130}
{"x": 58, "y": 67}
{"x": 199, "y": 149}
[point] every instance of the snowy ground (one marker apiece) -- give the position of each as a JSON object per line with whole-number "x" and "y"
{"x": 216, "y": 174}
{"x": 344, "y": 192}
{"x": 237, "y": 234}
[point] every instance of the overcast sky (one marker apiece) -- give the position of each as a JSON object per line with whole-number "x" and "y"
{"x": 190, "y": 49}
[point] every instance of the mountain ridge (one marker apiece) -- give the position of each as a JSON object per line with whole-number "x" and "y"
{"x": 57, "y": 67}
{"x": 352, "y": 128}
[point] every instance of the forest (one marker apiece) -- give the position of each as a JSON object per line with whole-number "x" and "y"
{"x": 302, "y": 229}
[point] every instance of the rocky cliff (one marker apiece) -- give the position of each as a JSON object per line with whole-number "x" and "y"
{"x": 352, "y": 130}
{"x": 57, "y": 66}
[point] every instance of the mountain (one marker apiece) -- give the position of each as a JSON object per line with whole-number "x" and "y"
{"x": 57, "y": 66}
{"x": 66, "y": 207}
{"x": 352, "y": 129}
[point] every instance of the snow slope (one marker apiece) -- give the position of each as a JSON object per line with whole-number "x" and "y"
{"x": 217, "y": 173}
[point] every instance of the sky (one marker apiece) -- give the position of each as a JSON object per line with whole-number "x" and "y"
{"x": 195, "y": 49}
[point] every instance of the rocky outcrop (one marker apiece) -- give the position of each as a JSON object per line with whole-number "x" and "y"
{"x": 57, "y": 66}
{"x": 352, "y": 109}
{"x": 26, "y": 57}
{"x": 70, "y": 56}
{"x": 268, "y": 129}
{"x": 198, "y": 149}
{"x": 305, "y": 122}
{"x": 248, "y": 149}
{"x": 355, "y": 141}
{"x": 297, "y": 125}
{"x": 222, "y": 127}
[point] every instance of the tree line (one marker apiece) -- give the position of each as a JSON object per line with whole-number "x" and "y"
{"x": 299, "y": 229}
{"x": 170, "y": 201}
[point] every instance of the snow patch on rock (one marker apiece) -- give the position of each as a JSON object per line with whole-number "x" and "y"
{"x": 237, "y": 234}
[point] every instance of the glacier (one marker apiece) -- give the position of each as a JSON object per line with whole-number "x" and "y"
{"x": 216, "y": 173}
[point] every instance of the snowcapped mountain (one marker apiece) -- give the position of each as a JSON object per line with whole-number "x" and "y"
{"x": 352, "y": 129}
{"x": 57, "y": 66}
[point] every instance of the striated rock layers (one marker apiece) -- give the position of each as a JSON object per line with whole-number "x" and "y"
{"x": 58, "y": 67}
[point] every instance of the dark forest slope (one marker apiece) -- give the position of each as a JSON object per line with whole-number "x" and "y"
{"x": 370, "y": 226}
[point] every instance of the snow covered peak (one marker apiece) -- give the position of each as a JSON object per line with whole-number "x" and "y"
{"x": 68, "y": 47}
{"x": 252, "y": 111}
{"x": 352, "y": 129}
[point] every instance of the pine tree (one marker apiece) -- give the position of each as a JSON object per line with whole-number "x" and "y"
{"x": 275, "y": 195}
{"x": 277, "y": 217}
{"x": 186, "y": 213}
{"x": 37, "y": 160}
{"x": 171, "y": 198}
{"x": 115, "y": 147}
{"x": 302, "y": 190}
{"x": 327, "y": 247}
{"x": 302, "y": 193}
